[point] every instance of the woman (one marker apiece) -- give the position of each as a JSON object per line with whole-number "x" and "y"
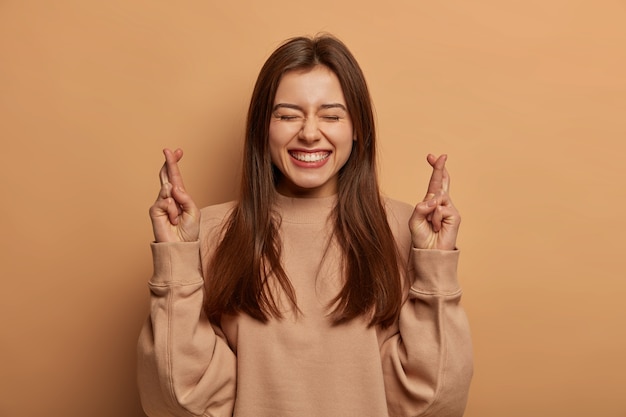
{"x": 311, "y": 295}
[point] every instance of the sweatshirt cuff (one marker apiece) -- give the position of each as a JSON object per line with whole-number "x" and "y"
{"x": 176, "y": 262}
{"x": 435, "y": 271}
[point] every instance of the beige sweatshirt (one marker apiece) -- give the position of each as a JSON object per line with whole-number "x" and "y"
{"x": 301, "y": 365}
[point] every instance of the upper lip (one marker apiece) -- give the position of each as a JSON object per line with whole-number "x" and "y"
{"x": 309, "y": 150}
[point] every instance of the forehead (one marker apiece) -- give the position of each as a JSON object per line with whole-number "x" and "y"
{"x": 315, "y": 85}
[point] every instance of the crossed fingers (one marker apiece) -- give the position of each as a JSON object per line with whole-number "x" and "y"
{"x": 170, "y": 175}
{"x": 440, "y": 179}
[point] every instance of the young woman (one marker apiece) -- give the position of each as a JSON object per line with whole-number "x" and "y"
{"x": 311, "y": 295}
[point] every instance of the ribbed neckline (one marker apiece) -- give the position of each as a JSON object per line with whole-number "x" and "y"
{"x": 305, "y": 210}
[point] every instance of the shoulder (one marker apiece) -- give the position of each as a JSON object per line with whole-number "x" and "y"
{"x": 212, "y": 220}
{"x": 398, "y": 212}
{"x": 216, "y": 213}
{"x": 398, "y": 215}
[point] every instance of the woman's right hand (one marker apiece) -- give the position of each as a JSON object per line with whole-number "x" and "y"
{"x": 174, "y": 215}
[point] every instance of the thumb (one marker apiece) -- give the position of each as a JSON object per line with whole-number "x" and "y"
{"x": 424, "y": 209}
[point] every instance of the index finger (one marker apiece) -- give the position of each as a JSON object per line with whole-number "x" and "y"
{"x": 439, "y": 179}
{"x": 163, "y": 177}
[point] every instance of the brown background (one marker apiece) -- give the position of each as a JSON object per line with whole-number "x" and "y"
{"x": 528, "y": 99}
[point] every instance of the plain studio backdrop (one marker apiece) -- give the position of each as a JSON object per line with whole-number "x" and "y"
{"x": 528, "y": 98}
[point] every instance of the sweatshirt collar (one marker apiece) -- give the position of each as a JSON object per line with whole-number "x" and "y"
{"x": 305, "y": 210}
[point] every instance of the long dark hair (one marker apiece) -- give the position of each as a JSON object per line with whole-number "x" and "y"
{"x": 249, "y": 252}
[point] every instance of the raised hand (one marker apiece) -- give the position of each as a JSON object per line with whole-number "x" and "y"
{"x": 174, "y": 215}
{"x": 435, "y": 221}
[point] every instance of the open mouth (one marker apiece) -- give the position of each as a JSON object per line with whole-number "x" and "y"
{"x": 309, "y": 156}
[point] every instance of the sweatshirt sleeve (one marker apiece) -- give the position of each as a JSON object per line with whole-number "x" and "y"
{"x": 185, "y": 367}
{"x": 427, "y": 358}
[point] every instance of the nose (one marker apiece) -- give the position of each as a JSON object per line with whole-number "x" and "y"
{"x": 310, "y": 131}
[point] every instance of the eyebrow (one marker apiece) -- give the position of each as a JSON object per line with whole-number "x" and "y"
{"x": 322, "y": 107}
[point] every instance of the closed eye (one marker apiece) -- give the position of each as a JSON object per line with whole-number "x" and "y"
{"x": 331, "y": 118}
{"x": 287, "y": 117}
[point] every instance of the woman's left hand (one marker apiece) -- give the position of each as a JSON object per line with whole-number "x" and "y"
{"x": 435, "y": 221}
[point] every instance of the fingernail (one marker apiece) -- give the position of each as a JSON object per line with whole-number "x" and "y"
{"x": 432, "y": 202}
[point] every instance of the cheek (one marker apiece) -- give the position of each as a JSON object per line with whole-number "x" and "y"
{"x": 348, "y": 147}
{"x": 280, "y": 134}
{"x": 277, "y": 143}
{"x": 274, "y": 154}
{"x": 348, "y": 151}
{"x": 342, "y": 136}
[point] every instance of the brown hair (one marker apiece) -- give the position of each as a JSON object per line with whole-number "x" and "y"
{"x": 249, "y": 252}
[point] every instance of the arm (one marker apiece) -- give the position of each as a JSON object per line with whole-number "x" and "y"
{"x": 184, "y": 368}
{"x": 427, "y": 362}
{"x": 427, "y": 359}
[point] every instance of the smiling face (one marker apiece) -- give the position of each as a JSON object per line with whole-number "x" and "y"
{"x": 310, "y": 133}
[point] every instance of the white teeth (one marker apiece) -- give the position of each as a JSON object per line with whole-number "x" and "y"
{"x": 310, "y": 157}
